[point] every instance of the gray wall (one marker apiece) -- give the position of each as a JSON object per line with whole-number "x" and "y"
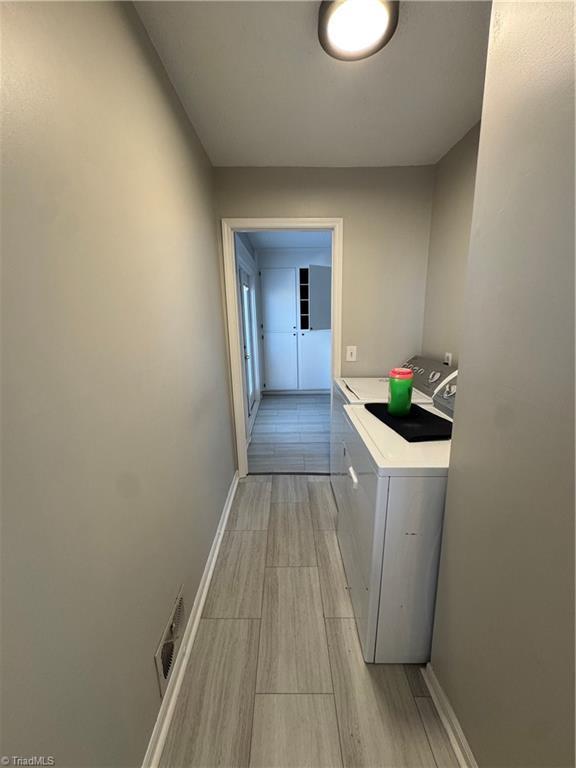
{"x": 386, "y": 214}
{"x": 117, "y": 452}
{"x": 268, "y": 258}
{"x": 503, "y": 645}
{"x": 448, "y": 251}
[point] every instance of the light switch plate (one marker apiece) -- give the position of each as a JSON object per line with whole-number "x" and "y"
{"x": 351, "y": 354}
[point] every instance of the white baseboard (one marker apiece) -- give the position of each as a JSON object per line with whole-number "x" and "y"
{"x": 460, "y": 745}
{"x": 166, "y": 712}
{"x": 296, "y": 392}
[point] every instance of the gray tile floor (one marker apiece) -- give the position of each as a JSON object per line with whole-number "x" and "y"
{"x": 276, "y": 678}
{"x": 291, "y": 434}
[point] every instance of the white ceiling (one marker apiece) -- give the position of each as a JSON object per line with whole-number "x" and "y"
{"x": 260, "y": 90}
{"x": 290, "y": 239}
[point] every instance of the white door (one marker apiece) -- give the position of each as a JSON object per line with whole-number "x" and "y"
{"x": 314, "y": 359}
{"x": 280, "y": 342}
{"x": 248, "y": 334}
{"x": 320, "y": 279}
{"x": 278, "y": 299}
{"x": 280, "y": 360}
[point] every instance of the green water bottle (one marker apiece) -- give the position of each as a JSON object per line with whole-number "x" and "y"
{"x": 400, "y": 399}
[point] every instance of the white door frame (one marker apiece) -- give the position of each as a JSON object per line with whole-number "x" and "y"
{"x": 229, "y": 228}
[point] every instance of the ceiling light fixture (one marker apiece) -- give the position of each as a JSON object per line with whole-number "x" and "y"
{"x": 355, "y": 29}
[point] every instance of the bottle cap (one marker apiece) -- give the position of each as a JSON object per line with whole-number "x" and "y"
{"x": 401, "y": 373}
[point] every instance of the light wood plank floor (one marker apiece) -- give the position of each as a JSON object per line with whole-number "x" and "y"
{"x": 276, "y": 677}
{"x": 291, "y": 433}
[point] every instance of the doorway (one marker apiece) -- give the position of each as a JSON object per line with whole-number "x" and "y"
{"x": 283, "y": 293}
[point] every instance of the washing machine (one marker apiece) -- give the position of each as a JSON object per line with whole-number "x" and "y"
{"x": 430, "y": 377}
{"x": 390, "y": 495}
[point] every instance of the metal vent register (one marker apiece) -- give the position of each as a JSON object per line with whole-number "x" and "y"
{"x": 170, "y": 643}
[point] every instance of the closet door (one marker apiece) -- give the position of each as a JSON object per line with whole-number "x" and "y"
{"x": 278, "y": 300}
{"x": 314, "y": 358}
{"x": 320, "y": 298}
{"x": 279, "y": 339}
{"x": 280, "y": 360}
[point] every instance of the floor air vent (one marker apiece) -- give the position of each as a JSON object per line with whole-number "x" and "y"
{"x": 171, "y": 638}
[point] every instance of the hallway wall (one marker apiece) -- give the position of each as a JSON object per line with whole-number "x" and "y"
{"x": 450, "y": 226}
{"x": 117, "y": 449}
{"x": 503, "y": 646}
{"x": 269, "y": 258}
{"x": 386, "y": 214}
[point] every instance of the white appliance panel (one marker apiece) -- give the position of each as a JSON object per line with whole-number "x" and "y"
{"x": 392, "y": 454}
{"x": 337, "y": 433}
{"x": 363, "y": 539}
{"x": 410, "y": 569}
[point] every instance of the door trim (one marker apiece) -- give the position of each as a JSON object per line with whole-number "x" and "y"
{"x": 229, "y": 228}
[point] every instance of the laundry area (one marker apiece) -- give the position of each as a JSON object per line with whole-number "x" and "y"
{"x": 389, "y": 479}
{"x": 287, "y": 381}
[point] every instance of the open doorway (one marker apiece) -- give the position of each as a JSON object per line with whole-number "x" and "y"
{"x": 283, "y": 292}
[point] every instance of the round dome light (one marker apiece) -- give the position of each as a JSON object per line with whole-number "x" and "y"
{"x": 355, "y": 29}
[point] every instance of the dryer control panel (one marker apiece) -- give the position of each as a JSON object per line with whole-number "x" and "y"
{"x": 429, "y": 374}
{"x": 445, "y": 398}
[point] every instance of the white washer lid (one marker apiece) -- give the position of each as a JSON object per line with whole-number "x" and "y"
{"x": 377, "y": 390}
{"x": 392, "y": 454}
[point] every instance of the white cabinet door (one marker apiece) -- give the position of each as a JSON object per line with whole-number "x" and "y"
{"x": 278, "y": 299}
{"x": 280, "y": 360}
{"x": 314, "y": 359}
{"x": 320, "y": 279}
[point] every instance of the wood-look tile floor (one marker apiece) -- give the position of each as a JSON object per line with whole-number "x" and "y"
{"x": 291, "y": 433}
{"x": 276, "y": 677}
